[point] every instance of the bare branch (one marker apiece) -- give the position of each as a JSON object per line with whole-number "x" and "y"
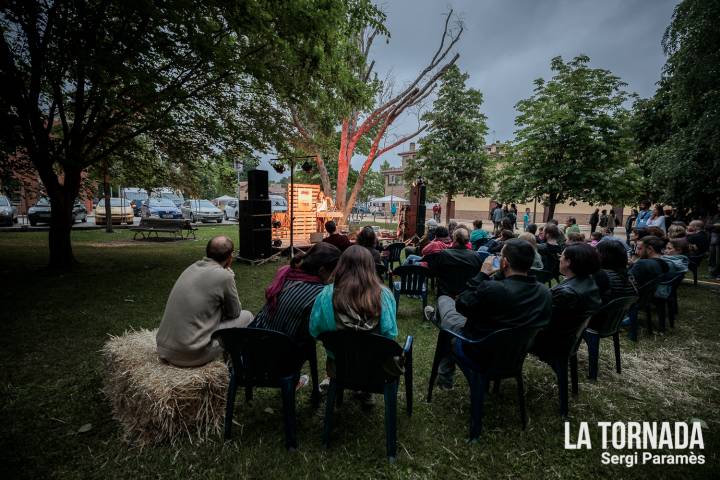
{"x": 401, "y": 141}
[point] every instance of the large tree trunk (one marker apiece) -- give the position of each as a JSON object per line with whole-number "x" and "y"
{"x": 324, "y": 176}
{"x": 108, "y": 204}
{"x": 448, "y": 207}
{"x": 552, "y": 202}
{"x": 62, "y": 198}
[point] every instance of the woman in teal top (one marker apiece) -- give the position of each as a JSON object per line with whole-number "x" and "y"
{"x": 356, "y": 300}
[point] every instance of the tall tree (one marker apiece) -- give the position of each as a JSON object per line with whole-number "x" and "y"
{"x": 367, "y": 127}
{"x": 573, "y": 140}
{"x": 83, "y": 78}
{"x": 678, "y": 130}
{"x": 452, "y": 156}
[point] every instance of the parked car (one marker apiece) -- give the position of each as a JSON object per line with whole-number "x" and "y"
{"x": 162, "y": 208}
{"x": 119, "y": 209}
{"x": 8, "y": 213}
{"x": 201, "y": 211}
{"x": 136, "y": 197}
{"x": 231, "y": 209}
{"x": 360, "y": 210}
{"x": 40, "y": 212}
{"x": 176, "y": 199}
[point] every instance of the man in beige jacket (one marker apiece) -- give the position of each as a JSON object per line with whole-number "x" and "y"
{"x": 202, "y": 300}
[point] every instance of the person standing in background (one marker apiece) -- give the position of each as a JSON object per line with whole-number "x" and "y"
{"x": 594, "y": 220}
{"x": 629, "y": 224}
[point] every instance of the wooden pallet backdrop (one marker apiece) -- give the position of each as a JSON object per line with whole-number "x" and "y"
{"x": 304, "y": 202}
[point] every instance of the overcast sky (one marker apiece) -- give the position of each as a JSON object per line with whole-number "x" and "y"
{"x": 507, "y": 44}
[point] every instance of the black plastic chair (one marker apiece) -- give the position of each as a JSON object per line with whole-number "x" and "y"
{"x": 543, "y": 276}
{"x": 564, "y": 341}
{"x": 670, "y": 281}
{"x": 394, "y": 252}
{"x": 381, "y": 271}
{"x": 265, "y": 358}
{"x": 694, "y": 264}
{"x": 646, "y": 292}
{"x": 606, "y": 323}
{"x": 413, "y": 281}
{"x": 503, "y": 354}
{"x": 360, "y": 360}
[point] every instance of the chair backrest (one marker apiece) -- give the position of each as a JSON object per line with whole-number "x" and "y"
{"x": 606, "y": 321}
{"x": 359, "y": 358}
{"x": 394, "y": 251}
{"x": 502, "y": 352}
{"x": 542, "y": 276}
{"x": 695, "y": 260}
{"x": 380, "y": 269}
{"x": 646, "y": 292}
{"x": 412, "y": 278}
{"x": 260, "y": 357}
{"x": 671, "y": 278}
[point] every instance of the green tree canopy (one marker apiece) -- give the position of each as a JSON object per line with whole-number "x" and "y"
{"x": 573, "y": 140}
{"x": 452, "y": 157}
{"x": 678, "y": 130}
{"x": 82, "y": 79}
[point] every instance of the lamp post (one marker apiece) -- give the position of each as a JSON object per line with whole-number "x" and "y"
{"x": 280, "y": 168}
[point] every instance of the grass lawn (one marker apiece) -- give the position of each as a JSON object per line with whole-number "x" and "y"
{"x": 53, "y": 327}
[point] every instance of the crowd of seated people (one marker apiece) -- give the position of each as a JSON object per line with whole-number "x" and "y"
{"x": 485, "y": 282}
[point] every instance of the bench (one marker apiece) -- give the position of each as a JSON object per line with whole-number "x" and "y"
{"x": 181, "y": 228}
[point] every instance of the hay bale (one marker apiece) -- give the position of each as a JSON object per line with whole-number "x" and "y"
{"x": 157, "y": 402}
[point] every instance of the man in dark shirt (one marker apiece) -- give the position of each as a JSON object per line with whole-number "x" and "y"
{"x": 696, "y": 235}
{"x": 454, "y": 266}
{"x": 490, "y": 304}
{"x": 650, "y": 264}
{"x": 334, "y": 238}
{"x": 551, "y": 249}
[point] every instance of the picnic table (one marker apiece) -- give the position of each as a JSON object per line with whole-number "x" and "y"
{"x": 181, "y": 228}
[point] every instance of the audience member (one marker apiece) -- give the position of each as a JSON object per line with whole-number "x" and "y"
{"x": 441, "y": 242}
{"x": 649, "y": 264}
{"x": 291, "y": 295}
{"x": 530, "y": 238}
{"x": 551, "y": 249}
{"x": 629, "y": 224}
{"x": 478, "y": 237}
{"x": 575, "y": 237}
{"x": 696, "y": 236}
{"x": 595, "y": 238}
{"x": 203, "y": 299}
{"x": 496, "y": 244}
{"x": 489, "y": 304}
{"x": 594, "y": 220}
{"x": 573, "y": 300}
{"x": 643, "y": 215}
{"x": 532, "y": 228}
{"x": 367, "y": 238}
{"x": 334, "y": 237}
{"x": 657, "y": 219}
{"x": 676, "y": 231}
{"x": 571, "y": 226}
{"x": 452, "y": 225}
{"x": 612, "y": 278}
{"x": 454, "y": 266}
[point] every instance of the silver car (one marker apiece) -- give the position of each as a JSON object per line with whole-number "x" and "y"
{"x": 201, "y": 211}
{"x": 8, "y": 213}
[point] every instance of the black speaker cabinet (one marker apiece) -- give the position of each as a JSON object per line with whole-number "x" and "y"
{"x": 420, "y": 225}
{"x": 258, "y": 185}
{"x": 255, "y": 243}
{"x": 254, "y": 207}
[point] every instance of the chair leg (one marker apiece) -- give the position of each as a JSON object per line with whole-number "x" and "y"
{"x": 574, "y": 374}
{"x": 409, "y": 383}
{"x": 391, "y": 420}
{"x": 287, "y": 389}
{"x": 661, "y": 304}
{"x": 329, "y": 411}
{"x": 397, "y": 297}
{"x": 593, "y": 344}
{"x": 648, "y": 312}
{"x": 440, "y": 351}
{"x": 521, "y": 400}
{"x": 230, "y": 406}
{"x": 561, "y": 370}
{"x": 616, "y": 345}
{"x": 312, "y": 359}
{"x": 477, "y": 398}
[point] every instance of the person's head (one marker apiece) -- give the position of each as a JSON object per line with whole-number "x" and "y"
{"x": 527, "y": 210}
{"x": 517, "y": 257}
{"x": 530, "y": 238}
{"x": 460, "y": 237}
{"x": 505, "y": 209}
{"x": 612, "y": 255}
{"x": 645, "y": 205}
{"x": 441, "y": 233}
{"x": 320, "y": 260}
{"x": 357, "y": 287}
{"x": 650, "y": 246}
{"x": 579, "y": 260}
{"x": 431, "y": 225}
{"x": 552, "y": 232}
{"x": 658, "y": 210}
{"x": 570, "y": 221}
{"x": 366, "y": 237}
{"x": 554, "y": 221}
{"x": 330, "y": 227}
{"x": 668, "y": 212}
{"x": 612, "y": 212}
{"x": 696, "y": 226}
{"x": 506, "y": 235}
{"x": 679, "y": 246}
{"x": 513, "y": 207}
{"x": 604, "y": 212}
{"x": 506, "y": 224}
{"x": 220, "y": 249}
{"x": 597, "y": 236}
{"x": 532, "y": 228}
{"x": 575, "y": 237}
{"x": 655, "y": 232}
{"x": 676, "y": 231}
{"x": 452, "y": 225}
{"x": 634, "y": 211}
{"x": 477, "y": 224}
